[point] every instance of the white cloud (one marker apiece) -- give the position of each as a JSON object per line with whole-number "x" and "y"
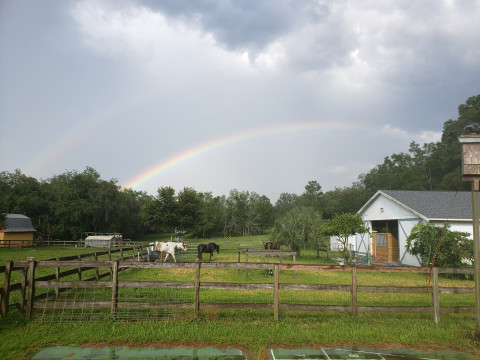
{"x": 151, "y": 40}
{"x": 389, "y": 129}
{"x": 424, "y": 136}
{"x": 429, "y": 136}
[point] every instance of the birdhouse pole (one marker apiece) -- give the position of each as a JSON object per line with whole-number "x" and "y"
{"x": 471, "y": 172}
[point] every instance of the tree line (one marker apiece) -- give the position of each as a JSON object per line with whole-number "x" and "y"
{"x": 67, "y": 205}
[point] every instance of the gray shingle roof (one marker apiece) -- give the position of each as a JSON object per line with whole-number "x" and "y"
{"x": 18, "y": 223}
{"x": 444, "y": 205}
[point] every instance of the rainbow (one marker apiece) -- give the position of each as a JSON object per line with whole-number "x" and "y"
{"x": 44, "y": 159}
{"x": 76, "y": 134}
{"x": 187, "y": 154}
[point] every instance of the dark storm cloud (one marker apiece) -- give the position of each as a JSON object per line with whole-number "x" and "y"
{"x": 249, "y": 24}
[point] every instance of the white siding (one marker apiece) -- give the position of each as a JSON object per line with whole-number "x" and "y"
{"x": 404, "y": 230}
{"x": 460, "y": 226}
{"x": 391, "y": 210}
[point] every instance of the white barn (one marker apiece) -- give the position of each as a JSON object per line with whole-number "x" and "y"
{"x": 391, "y": 214}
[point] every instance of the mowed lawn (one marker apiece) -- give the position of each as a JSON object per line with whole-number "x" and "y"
{"x": 255, "y": 331}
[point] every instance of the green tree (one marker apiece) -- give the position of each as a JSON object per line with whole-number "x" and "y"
{"x": 298, "y": 228}
{"x": 189, "y": 205}
{"x": 69, "y": 208}
{"x": 263, "y": 210}
{"x": 23, "y": 195}
{"x": 343, "y": 226}
{"x": 151, "y": 215}
{"x": 71, "y": 203}
{"x": 432, "y": 166}
{"x": 212, "y": 217}
{"x": 468, "y": 121}
{"x": 128, "y": 213}
{"x": 349, "y": 199}
{"x": 168, "y": 210}
{"x": 285, "y": 203}
{"x": 312, "y": 195}
{"x": 237, "y": 212}
{"x": 439, "y": 244}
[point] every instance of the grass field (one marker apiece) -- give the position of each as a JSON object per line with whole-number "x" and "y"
{"x": 254, "y": 331}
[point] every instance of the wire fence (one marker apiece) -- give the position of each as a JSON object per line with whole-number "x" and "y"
{"x": 134, "y": 290}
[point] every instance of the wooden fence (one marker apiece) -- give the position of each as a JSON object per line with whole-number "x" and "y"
{"x": 28, "y": 277}
{"x": 29, "y": 285}
{"x": 17, "y": 243}
{"x": 277, "y": 253}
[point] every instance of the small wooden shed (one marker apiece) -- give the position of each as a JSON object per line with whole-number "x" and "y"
{"x": 385, "y": 246}
{"x": 17, "y": 231}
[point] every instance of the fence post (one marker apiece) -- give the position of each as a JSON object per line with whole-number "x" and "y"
{"x": 57, "y": 277}
{"x": 23, "y": 289}
{"x": 275, "y": 292}
{"x": 31, "y": 287}
{"x": 354, "y": 291}
{"x": 435, "y": 297}
{"x": 294, "y": 271}
{"x": 79, "y": 269}
{"x": 95, "y": 257}
{"x": 246, "y": 261}
{"x": 114, "y": 287}
{"x": 6, "y": 288}
{"x": 238, "y": 270}
{"x": 196, "y": 304}
{"x": 110, "y": 259}
{"x": 133, "y": 252}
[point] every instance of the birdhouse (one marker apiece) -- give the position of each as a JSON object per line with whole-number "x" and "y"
{"x": 470, "y": 157}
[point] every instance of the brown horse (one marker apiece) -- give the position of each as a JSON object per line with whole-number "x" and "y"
{"x": 208, "y": 248}
{"x": 270, "y": 246}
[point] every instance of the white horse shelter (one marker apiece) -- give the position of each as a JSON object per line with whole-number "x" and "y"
{"x": 104, "y": 241}
{"x": 391, "y": 214}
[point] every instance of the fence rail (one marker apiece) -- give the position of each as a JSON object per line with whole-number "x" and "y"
{"x": 73, "y": 260}
{"x": 31, "y": 284}
{"x": 81, "y": 243}
{"x": 16, "y": 243}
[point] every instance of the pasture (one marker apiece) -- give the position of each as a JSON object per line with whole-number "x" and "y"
{"x": 253, "y": 330}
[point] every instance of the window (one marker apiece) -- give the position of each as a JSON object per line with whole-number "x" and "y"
{"x": 381, "y": 239}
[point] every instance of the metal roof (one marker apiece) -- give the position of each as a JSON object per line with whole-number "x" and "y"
{"x": 18, "y": 223}
{"x": 100, "y": 237}
{"x": 432, "y": 205}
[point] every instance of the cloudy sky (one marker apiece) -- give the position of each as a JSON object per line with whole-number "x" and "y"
{"x": 255, "y": 95}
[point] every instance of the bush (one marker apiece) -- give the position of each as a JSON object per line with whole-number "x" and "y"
{"x": 440, "y": 245}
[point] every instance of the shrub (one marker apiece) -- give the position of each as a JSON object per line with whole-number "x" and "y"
{"x": 444, "y": 247}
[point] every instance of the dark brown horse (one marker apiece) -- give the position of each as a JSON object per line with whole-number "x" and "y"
{"x": 208, "y": 248}
{"x": 270, "y": 246}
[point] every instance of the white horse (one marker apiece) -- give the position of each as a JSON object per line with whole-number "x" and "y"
{"x": 169, "y": 248}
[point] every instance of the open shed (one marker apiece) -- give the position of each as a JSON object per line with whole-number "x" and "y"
{"x": 102, "y": 240}
{"x": 391, "y": 214}
{"x": 17, "y": 231}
